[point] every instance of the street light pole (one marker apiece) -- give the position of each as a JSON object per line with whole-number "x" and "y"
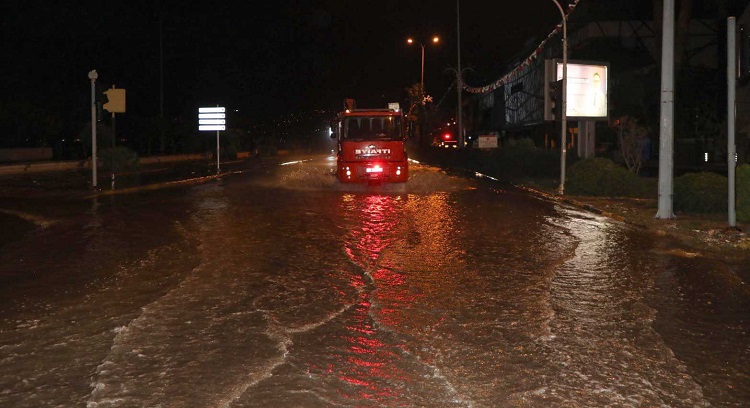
{"x": 435, "y": 40}
{"x": 563, "y": 141}
{"x": 421, "y": 81}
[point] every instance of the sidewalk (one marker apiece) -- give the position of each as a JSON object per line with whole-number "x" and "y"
{"x": 77, "y": 183}
{"x": 706, "y": 235}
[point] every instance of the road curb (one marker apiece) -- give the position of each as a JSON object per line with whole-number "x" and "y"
{"x": 156, "y": 186}
{"x": 578, "y": 204}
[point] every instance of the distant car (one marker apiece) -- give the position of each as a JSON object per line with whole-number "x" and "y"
{"x": 444, "y": 137}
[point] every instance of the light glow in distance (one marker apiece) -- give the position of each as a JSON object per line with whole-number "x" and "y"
{"x": 480, "y": 175}
{"x": 294, "y": 162}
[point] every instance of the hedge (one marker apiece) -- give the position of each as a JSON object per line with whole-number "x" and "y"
{"x": 700, "y": 193}
{"x": 743, "y": 192}
{"x": 603, "y": 177}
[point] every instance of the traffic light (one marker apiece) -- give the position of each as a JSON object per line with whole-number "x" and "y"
{"x": 556, "y": 99}
{"x": 101, "y": 100}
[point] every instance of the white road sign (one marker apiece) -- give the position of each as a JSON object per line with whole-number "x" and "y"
{"x": 213, "y": 118}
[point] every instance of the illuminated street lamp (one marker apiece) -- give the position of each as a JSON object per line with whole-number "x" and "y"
{"x": 435, "y": 40}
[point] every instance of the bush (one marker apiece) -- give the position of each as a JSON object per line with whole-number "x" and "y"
{"x": 602, "y": 177}
{"x": 120, "y": 158}
{"x": 516, "y": 160}
{"x": 743, "y": 192}
{"x": 523, "y": 143}
{"x": 700, "y": 193}
{"x": 520, "y": 159}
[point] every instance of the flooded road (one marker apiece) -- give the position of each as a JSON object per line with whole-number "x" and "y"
{"x": 278, "y": 287}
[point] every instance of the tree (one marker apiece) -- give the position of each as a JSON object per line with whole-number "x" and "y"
{"x": 415, "y": 113}
{"x": 26, "y": 124}
{"x": 422, "y": 114}
{"x": 103, "y": 138}
{"x": 634, "y": 141}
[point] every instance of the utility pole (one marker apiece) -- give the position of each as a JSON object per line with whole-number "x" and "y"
{"x": 93, "y": 76}
{"x": 161, "y": 81}
{"x": 731, "y": 115}
{"x": 459, "y": 79}
{"x": 161, "y": 67}
{"x": 666, "y": 117}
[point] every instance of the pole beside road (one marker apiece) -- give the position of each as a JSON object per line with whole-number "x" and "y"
{"x": 213, "y": 118}
{"x": 563, "y": 138}
{"x": 421, "y": 80}
{"x": 731, "y": 117}
{"x": 93, "y": 76}
{"x": 666, "y": 116}
{"x": 459, "y": 79}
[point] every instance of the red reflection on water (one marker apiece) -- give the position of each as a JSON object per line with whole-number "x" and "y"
{"x": 365, "y": 330}
{"x": 378, "y": 217}
{"x": 354, "y": 381}
{"x": 394, "y": 296}
{"x": 357, "y": 282}
{"x": 370, "y": 363}
{"x": 365, "y": 363}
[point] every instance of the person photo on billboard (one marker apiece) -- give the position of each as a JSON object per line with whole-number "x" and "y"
{"x": 597, "y": 100}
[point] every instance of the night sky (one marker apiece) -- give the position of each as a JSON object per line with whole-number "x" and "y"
{"x": 265, "y": 58}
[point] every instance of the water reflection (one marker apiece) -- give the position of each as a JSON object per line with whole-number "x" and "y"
{"x": 376, "y": 359}
{"x": 601, "y": 315}
{"x": 369, "y": 361}
{"x": 378, "y": 215}
{"x": 702, "y": 316}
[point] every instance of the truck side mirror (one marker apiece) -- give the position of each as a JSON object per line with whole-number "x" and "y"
{"x": 333, "y": 132}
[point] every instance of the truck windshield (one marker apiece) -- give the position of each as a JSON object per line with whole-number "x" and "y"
{"x": 372, "y": 128}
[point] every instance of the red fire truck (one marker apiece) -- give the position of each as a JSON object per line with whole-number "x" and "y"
{"x": 370, "y": 145}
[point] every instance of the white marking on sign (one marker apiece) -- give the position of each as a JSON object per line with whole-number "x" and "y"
{"x": 212, "y": 118}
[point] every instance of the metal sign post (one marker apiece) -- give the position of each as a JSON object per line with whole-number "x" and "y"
{"x": 115, "y": 104}
{"x": 213, "y": 119}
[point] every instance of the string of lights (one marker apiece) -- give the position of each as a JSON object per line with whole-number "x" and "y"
{"x": 526, "y": 62}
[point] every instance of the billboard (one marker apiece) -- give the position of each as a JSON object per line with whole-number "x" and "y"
{"x": 487, "y": 141}
{"x": 586, "y": 96}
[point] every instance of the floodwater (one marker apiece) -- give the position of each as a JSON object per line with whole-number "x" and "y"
{"x": 278, "y": 287}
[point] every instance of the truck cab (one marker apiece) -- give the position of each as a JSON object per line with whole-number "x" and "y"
{"x": 371, "y": 146}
